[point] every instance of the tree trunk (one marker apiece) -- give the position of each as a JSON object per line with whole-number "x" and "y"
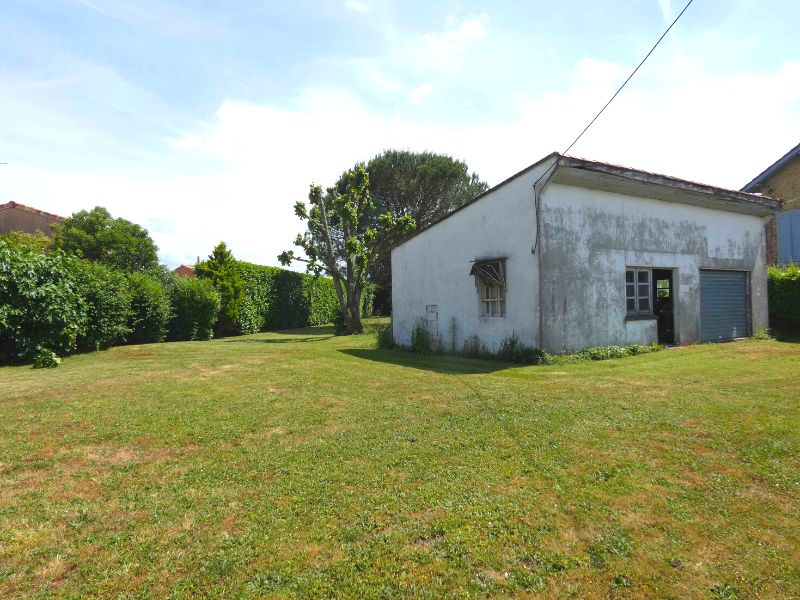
{"x": 354, "y": 308}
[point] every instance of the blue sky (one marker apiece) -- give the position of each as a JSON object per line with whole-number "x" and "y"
{"x": 205, "y": 121}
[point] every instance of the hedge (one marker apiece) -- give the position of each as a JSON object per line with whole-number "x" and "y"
{"x": 195, "y": 306}
{"x": 275, "y": 298}
{"x": 784, "y": 298}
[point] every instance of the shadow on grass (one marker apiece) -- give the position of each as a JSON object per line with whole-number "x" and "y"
{"x": 289, "y": 336}
{"x": 445, "y": 364}
{"x": 286, "y": 340}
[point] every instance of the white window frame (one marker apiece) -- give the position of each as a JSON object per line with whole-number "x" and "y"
{"x": 493, "y": 300}
{"x": 633, "y": 291}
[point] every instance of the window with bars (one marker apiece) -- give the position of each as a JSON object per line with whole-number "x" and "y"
{"x": 490, "y": 277}
{"x": 638, "y": 293}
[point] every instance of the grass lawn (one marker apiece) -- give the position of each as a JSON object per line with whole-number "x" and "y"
{"x": 299, "y": 464}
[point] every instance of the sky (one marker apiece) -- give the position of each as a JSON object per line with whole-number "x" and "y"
{"x": 207, "y": 120}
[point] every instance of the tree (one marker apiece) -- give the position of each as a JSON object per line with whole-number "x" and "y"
{"x": 425, "y": 186}
{"x": 222, "y": 271}
{"x": 95, "y": 235}
{"x": 341, "y": 241}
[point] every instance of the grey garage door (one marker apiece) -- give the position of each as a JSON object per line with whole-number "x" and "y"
{"x": 723, "y": 305}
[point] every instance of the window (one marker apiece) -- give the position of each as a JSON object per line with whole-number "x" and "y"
{"x": 662, "y": 288}
{"x": 490, "y": 278}
{"x": 637, "y": 292}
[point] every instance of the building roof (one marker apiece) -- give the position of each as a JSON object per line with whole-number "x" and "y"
{"x": 762, "y": 178}
{"x": 663, "y": 187}
{"x": 30, "y": 209}
{"x": 716, "y": 197}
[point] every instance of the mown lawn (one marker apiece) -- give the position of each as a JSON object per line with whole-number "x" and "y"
{"x": 298, "y": 464}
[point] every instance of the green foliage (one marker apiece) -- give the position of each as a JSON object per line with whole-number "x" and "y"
{"x": 45, "y": 359}
{"x": 473, "y": 348}
{"x": 514, "y": 351}
{"x": 96, "y": 236}
{"x": 385, "y": 339}
{"x": 195, "y": 306}
{"x": 222, "y": 270}
{"x": 150, "y": 309}
{"x": 342, "y": 238}
{"x": 421, "y": 342}
{"x": 40, "y": 304}
{"x": 784, "y": 298}
{"x": 34, "y": 241}
{"x": 423, "y": 185}
{"x": 275, "y": 298}
{"x": 107, "y": 302}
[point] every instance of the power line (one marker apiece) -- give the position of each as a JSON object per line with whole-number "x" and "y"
{"x": 624, "y": 83}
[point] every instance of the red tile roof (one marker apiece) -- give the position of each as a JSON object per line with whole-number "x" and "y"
{"x": 31, "y": 210}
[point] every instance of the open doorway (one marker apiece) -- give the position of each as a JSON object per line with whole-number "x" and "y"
{"x": 664, "y": 305}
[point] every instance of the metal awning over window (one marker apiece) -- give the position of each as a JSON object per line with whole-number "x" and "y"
{"x": 490, "y": 271}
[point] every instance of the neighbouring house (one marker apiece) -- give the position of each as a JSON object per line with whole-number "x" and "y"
{"x": 781, "y": 180}
{"x": 572, "y": 253}
{"x": 184, "y": 271}
{"x": 18, "y": 217}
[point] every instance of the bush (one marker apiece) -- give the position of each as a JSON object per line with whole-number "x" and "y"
{"x": 150, "y": 309}
{"x": 385, "y": 338}
{"x": 45, "y": 359}
{"x": 275, "y": 298}
{"x": 473, "y": 347}
{"x": 512, "y": 350}
{"x": 784, "y": 298}
{"x": 40, "y": 304}
{"x": 107, "y": 302}
{"x": 421, "y": 342}
{"x": 222, "y": 270}
{"x": 195, "y": 306}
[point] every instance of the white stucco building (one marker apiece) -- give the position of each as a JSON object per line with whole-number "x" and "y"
{"x": 571, "y": 253}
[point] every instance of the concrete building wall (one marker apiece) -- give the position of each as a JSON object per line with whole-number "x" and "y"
{"x": 432, "y": 269}
{"x": 15, "y": 218}
{"x": 588, "y": 239}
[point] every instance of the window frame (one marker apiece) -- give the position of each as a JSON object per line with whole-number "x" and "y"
{"x": 638, "y": 283}
{"x": 491, "y": 287}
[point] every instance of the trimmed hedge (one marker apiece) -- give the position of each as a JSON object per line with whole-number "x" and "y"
{"x": 150, "y": 309}
{"x": 784, "y": 298}
{"x": 195, "y": 306}
{"x": 275, "y": 298}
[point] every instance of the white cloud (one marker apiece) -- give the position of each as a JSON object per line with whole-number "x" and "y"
{"x": 470, "y": 29}
{"x": 356, "y": 5}
{"x": 419, "y": 93}
{"x": 666, "y": 10}
{"x": 676, "y": 119}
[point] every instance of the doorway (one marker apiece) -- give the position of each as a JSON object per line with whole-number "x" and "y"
{"x": 664, "y": 305}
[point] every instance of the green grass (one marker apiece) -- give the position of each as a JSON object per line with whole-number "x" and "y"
{"x": 299, "y": 464}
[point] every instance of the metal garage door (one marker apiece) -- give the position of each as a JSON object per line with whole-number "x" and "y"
{"x": 723, "y": 305}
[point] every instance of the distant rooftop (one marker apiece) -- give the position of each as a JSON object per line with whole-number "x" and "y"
{"x": 30, "y": 209}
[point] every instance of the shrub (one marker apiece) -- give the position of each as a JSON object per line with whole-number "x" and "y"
{"x": 222, "y": 270}
{"x": 45, "y": 359}
{"x": 107, "y": 301}
{"x": 33, "y": 241}
{"x": 784, "y": 298}
{"x": 514, "y": 351}
{"x": 385, "y": 338}
{"x": 195, "y": 306}
{"x": 421, "y": 342}
{"x": 150, "y": 309}
{"x": 275, "y": 298}
{"x": 40, "y": 305}
{"x": 473, "y": 347}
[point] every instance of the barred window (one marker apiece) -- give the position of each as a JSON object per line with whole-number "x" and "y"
{"x": 490, "y": 278}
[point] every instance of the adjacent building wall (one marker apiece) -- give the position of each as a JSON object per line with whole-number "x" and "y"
{"x": 588, "y": 239}
{"x": 15, "y": 217}
{"x": 432, "y": 269}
